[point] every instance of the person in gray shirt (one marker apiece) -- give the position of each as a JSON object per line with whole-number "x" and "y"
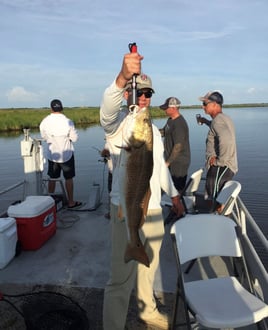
{"x": 176, "y": 142}
{"x": 221, "y": 152}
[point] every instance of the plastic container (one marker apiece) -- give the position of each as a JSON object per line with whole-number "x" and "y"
{"x": 8, "y": 240}
{"x": 36, "y": 220}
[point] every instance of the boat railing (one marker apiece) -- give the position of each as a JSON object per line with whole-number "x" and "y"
{"x": 9, "y": 189}
{"x": 21, "y": 195}
{"x": 247, "y": 219}
{"x": 255, "y": 247}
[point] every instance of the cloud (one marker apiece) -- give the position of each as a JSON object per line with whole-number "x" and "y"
{"x": 251, "y": 90}
{"x": 20, "y": 94}
{"x": 73, "y": 49}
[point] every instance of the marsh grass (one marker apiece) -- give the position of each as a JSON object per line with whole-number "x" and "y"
{"x": 17, "y": 119}
{"x": 12, "y": 120}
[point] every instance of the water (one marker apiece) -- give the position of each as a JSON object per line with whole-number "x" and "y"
{"x": 252, "y": 136}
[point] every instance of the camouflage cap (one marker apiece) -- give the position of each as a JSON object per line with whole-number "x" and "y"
{"x": 212, "y": 96}
{"x": 171, "y": 102}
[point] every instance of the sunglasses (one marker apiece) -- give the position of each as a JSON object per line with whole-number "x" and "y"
{"x": 205, "y": 104}
{"x": 147, "y": 94}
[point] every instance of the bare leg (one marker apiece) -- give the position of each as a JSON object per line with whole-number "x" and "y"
{"x": 69, "y": 189}
{"x": 51, "y": 186}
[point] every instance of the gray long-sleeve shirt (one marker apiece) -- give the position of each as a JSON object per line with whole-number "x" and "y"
{"x": 221, "y": 142}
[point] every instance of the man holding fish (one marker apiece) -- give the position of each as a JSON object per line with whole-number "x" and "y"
{"x": 139, "y": 174}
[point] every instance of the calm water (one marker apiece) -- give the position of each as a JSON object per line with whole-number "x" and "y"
{"x": 252, "y": 139}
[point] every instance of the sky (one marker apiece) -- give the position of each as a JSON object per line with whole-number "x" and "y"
{"x": 73, "y": 49}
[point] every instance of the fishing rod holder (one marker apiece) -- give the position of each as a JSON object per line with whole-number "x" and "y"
{"x": 32, "y": 154}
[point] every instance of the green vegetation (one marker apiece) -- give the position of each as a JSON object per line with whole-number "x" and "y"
{"x": 17, "y": 119}
{"x": 12, "y": 120}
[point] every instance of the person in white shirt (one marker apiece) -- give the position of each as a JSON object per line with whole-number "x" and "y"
{"x": 59, "y": 132}
{"x": 123, "y": 276}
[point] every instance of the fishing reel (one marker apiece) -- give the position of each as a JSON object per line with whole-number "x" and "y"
{"x": 104, "y": 153}
{"x": 104, "y": 159}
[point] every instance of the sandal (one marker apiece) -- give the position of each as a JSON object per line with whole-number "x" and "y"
{"x": 76, "y": 204}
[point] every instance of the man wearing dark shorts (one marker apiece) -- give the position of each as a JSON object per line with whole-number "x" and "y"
{"x": 60, "y": 133}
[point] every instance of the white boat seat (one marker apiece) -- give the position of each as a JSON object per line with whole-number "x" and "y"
{"x": 220, "y": 302}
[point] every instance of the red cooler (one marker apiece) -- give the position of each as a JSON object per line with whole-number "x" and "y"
{"x": 36, "y": 220}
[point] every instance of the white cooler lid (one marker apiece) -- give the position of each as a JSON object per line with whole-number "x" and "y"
{"x": 32, "y": 206}
{"x": 5, "y": 223}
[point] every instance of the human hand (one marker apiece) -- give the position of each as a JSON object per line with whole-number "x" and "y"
{"x": 162, "y": 132}
{"x": 131, "y": 65}
{"x": 177, "y": 206}
{"x": 105, "y": 153}
{"x": 203, "y": 120}
{"x": 199, "y": 119}
{"x": 212, "y": 160}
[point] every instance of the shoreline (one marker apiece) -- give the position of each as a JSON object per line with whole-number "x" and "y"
{"x": 191, "y": 106}
{"x": 13, "y": 120}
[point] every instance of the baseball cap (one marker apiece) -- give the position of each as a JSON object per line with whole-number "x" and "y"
{"x": 213, "y": 96}
{"x": 171, "y": 102}
{"x": 56, "y": 105}
{"x": 142, "y": 81}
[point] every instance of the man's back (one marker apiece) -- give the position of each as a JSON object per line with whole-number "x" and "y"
{"x": 59, "y": 133}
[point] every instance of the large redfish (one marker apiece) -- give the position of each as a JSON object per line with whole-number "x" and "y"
{"x": 136, "y": 168}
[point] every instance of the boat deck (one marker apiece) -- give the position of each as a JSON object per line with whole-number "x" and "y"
{"x": 75, "y": 262}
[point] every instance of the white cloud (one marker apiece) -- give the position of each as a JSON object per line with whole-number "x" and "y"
{"x": 73, "y": 49}
{"x": 251, "y": 90}
{"x": 20, "y": 94}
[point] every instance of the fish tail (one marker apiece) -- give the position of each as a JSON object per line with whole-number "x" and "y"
{"x": 137, "y": 253}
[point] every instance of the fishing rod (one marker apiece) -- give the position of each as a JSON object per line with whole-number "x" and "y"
{"x": 104, "y": 159}
{"x": 133, "y": 48}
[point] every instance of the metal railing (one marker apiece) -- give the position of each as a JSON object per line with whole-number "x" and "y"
{"x": 8, "y": 189}
{"x": 255, "y": 246}
{"x": 12, "y": 188}
{"x": 22, "y": 195}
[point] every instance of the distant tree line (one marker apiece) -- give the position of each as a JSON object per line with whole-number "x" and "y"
{"x": 15, "y": 119}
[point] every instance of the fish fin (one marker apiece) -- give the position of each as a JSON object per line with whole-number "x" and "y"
{"x": 126, "y": 147}
{"x": 136, "y": 253}
{"x": 145, "y": 203}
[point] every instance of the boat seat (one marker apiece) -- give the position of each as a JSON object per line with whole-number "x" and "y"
{"x": 188, "y": 193}
{"x": 216, "y": 302}
{"x": 227, "y": 199}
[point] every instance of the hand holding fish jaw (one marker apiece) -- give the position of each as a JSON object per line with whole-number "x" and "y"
{"x": 131, "y": 65}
